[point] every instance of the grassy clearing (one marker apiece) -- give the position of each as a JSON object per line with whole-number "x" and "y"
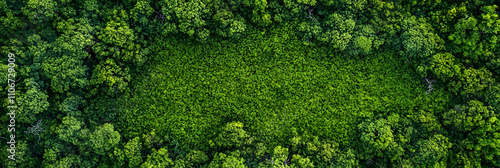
{"x": 273, "y": 84}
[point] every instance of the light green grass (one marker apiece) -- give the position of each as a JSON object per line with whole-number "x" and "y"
{"x": 273, "y": 84}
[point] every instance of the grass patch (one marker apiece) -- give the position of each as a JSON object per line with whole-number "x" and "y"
{"x": 272, "y": 83}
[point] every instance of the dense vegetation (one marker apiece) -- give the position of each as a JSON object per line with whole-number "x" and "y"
{"x": 251, "y": 83}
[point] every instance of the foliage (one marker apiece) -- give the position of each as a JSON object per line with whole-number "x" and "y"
{"x": 250, "y": 83}
{"x": 233, "y": 135}
{"x": 222, "y": 160}
{"x": 38, "y": 11}
{"x": 418, "y": 41}
{"x": 32, "y": 102}
{"x": 480, "y": 127}
{"x": 379, "y": 140}
{"x": 104, "y": 138}
{"x": 432, "y": 150}
{"x": 109, "y": 78}
{"x": 157, "y": 159}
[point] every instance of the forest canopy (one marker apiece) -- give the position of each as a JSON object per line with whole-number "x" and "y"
{"x": 250, "y": 83}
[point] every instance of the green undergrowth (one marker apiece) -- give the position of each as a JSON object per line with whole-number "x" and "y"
{"x": 272, "y": 83}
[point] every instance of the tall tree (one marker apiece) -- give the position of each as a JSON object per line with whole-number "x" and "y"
{"x": 480, "y": 127}
{"x": 104, "y": 138}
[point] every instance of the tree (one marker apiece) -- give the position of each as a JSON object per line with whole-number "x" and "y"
{"x": 31, "y": 103}
{"x": 132, "y": 151}
{"x": 197, "y": 158}
{"x": 350, "y": 4}
{"x": 326, "y": 153}
{"x": 445, "y": 66}
{"x": 194, "y": 158}
{"x": 341, "y": 31}
{"x": 259, "y": 15}
{"x": 131, "y": 154}
{"x": 188, "y": 16}
{"x": 141, "y": 11}
{"x": 71, "y": 131}
{"x": 492, "y": 97}
{"x": 104, "y": 138}
{"x": 89, "y": 5}
{"x": 418, "y": 41}
{"x": 476, "y": 40}
{"x": 233, "y": 135}
{"x": 22, "y": 156}
{"x": 72, "y": 105}
{"x": 364, "y": 44}
{"x": 68, "y": 161}
{"x": 480, "y": 126}
{"x": 50, "y": 156}
{"x": 37, "y": 52}
{"x": 230, "y": 160}
{"x": 229, "y": 25}
{"x": 117, "y": 40}
{"x": 432, "y": 151}
{"x": 9, "y": 23}
{"x": 65, "y": 64}
{"x": 300, "y": 162}
{"x": 38, "y": 11}
{"x": 152, "y": 140}
{"x": 426, "y": 124}
{"x": 65, "y": 73}
{"x": 344, "y": 33}
{"x": 158, "y": 159}
{"x": 378, "y": 140}
{"x": 472, "y": 81}
{"x": 310, "y": 31}
{"x": 279, "y": 157}
{"x": 109, "y": 78}
{"x": 366, "y": 39}
{"x": 468, "y": 117}
{"x": 346, "y": 159}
